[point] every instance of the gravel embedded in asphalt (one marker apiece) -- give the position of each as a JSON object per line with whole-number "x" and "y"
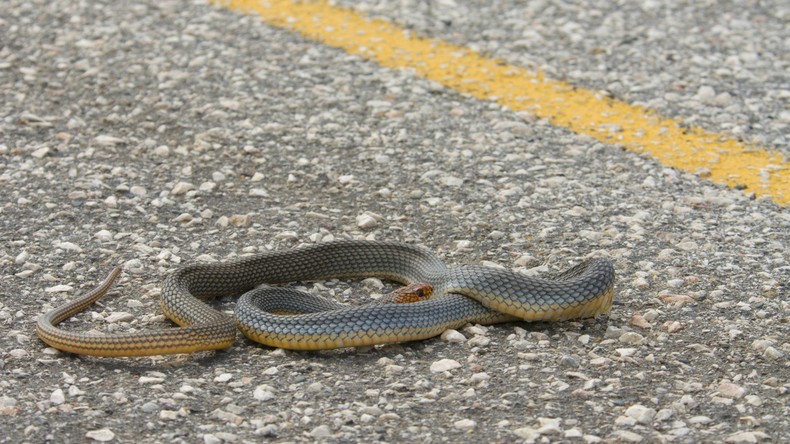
{"x": 154, "y": 134}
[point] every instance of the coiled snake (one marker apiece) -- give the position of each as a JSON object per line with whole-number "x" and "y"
{"x": 268, "y": 315}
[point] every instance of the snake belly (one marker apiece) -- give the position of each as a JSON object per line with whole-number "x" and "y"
{"x": 461, "y": 294}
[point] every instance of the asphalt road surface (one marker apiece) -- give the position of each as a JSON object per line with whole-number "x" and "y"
{"x": 154, "y": 134}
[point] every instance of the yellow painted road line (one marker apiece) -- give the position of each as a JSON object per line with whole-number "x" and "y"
{"x": 714, "y": 156}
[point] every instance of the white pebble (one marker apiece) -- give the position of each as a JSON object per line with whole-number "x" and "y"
{"x": 444, "y": 365}
{"x": 224, "y": 377}
{"x": 57, "y": 397}
{"x": 642, "y": 414}
{"x": 105, "y": 140}
{"x": 182, "y": 188}
{"x": 40, "y": 153}
{"x": 120, "y": 316}
{"x": 263, "y": 393}
{"x": 22, "y": 257}
{"x": 150, "y": 380}
{"x": 366, "y": 220}
{"x": 465, "y": 424}
{"x": 101, "y": 435}
{"x": 632, "y": 338}
{"x": 730, "y": 390}
{"x": 479, "y": 377}
{"x": 103, "y": 236}
{"x": 527, "y": 433}
{"x": 453, "y": 336}
{"x": 625, "y": 352}
{"x": 138, "y": 191}
{"x": 322, "y": 431}
{"x": 62, "y": 288}
{"x": 69, "y": 246}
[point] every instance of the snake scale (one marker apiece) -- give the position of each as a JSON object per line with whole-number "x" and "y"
{"x": 286, "y": 318}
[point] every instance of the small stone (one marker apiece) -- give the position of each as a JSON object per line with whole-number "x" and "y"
{"x": 150, "y": 380}
{"x": 632, "y": 338}
{"x": 688, "y": 246}
{"x": 103, "y": 236}
{"x": 138, "y": 191}
{"x": 677, "y": 300}
{"x": 627, "y": 436}
{"x": 465, "y": 424}
{"x": 550, "y": 426}
{"x": 207, "y": 186}
{"x": 224, "y": 377}
{"x": 119, "y": 316}
{"x": 105, "y": 140}
{"x": 240, "y": 220}
{"x": 322, "y": 431}
{"x": 182, "y": 188}
{"x": 745, "y": 437}
{"x": 451, "y": 181}
{"x": 772, "y": 353}
{"x": 18, "y": 353}
{"x": 569, "y": 361}
{"x": 444, "y": 365}
{"x": 59, "y": 289}
{"x": 672, "y": 326}
{"x": 699, "y": 420}
{"x": 162, "y": 151}
{"x": 730, "y": 390}
{"x": 57, "y": 397}
{"x": 479, "y": 377}
{"x": 168, "y": 415}
{"x": 101, "y": 435}
{"x": 638, "y": 320}
{"x": 612, "y": 332}
{"x": 367, "y": 220}
{"x": 345, "y": 179}
{"x": 642, "y": 414}
{"x": 263, "y": 393}
{"x": 625, "y": 352}
{"x": 527, "y": 433}
{"x": 70, "y": 246}
{"x": 258, "y": 192}
{"x": 651, "y": 315}
{"x": 479, "y": 341}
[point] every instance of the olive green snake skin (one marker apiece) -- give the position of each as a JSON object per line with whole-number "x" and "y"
{"x": 285, "y": 318}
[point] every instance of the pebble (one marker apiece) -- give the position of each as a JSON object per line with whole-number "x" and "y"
{"x": 527, "y": 433}
{"x": 747, "y": 437}
{"x": 730, "y": 390}
{"x": 119, "y": 316}
{"x": 465, "y": 424}
{"x": 182, "y": 188}
{"x": 632, "y": 338}
{"x": 150, "y": 380}
{"x": 223, "y": 377}
{"x": 103, "y": 236}
{"x": 642, "y": 414}
{"x": 626, "y": 352}
{"x": 57, "y": 397}
{"x": 322, "y": 431}
{"x": 638, "y": 320}
{"x": 453, "y": 336}
{"x": 101, "y": 435}
{"x": 444, "y": 365}
{"x": 62, "y": 288}
{"x": 627, "y": 436}
{"x": 367, "y": 220}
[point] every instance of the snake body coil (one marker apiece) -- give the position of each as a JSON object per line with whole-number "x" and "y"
{"x": 460, "y": 295}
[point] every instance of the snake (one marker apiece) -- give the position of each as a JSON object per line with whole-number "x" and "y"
{"x": 284, "y": 317}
